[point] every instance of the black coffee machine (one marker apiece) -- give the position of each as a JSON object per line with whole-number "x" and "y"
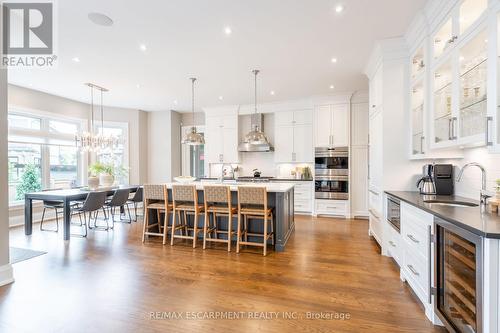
{"x": 442, "y": 177}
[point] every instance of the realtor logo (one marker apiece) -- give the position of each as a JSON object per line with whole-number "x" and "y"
{"x": 28, "y": 34}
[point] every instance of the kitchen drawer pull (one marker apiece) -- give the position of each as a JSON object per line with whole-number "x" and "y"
{"x": 392, "y": 243}
{"x": 413, "y": 270}
{"x": 487, "y": 131}
{"x": 371, "y": 211}
{"x": 412, "y": 238}
{"x": 373, "y": 192}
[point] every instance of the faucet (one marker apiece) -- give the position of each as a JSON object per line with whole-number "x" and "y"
{"x": 483, "y": 195}
{"x": 221, "y": 179}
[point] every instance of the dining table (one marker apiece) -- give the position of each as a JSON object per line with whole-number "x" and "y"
{"x": 67, "y": 197}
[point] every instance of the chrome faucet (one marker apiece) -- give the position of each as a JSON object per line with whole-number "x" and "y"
{"x": 221, "y": 179}
{"x": 483, "y": 196}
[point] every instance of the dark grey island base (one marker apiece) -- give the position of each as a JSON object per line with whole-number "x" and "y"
{"x": 284, "y": 224}
{"x": 475, "y": 219}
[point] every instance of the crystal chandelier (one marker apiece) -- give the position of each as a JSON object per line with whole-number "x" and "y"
{"x": 91, "y": 141}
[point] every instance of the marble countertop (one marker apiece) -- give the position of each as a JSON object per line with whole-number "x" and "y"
{"x": 478, "y": 220}
{"x": 279, "y": 187}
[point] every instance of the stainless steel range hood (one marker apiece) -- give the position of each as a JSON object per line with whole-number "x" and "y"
{"x": 256, "y": 140}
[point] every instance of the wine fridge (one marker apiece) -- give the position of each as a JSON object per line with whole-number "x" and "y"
{"x": 458, "y": 283}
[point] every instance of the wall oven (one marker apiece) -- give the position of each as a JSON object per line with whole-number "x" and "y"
{"x": 331, "y": 161}
{"x": 458, "y": 277}
{"x": 394, "y": 212}
{"x": 332, "y": 187}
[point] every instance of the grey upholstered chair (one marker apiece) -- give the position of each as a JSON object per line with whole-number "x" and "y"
{"x": 119, "y": 199}
{"x": 93, "y": 204}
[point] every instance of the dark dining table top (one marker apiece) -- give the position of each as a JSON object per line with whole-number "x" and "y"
{"x": 75, "y": 193}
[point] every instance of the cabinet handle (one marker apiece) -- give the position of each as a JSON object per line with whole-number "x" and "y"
{"x": 374, "y": 106}
{"x": 422, "y": 139}
{"x": 371, "y": 211}
{"x": 413, "y": 270}
{"x": 373, "y": 192}
{"x": 450, "y": 126}
{"x": 487, "y": 131}
{"x": 454, "y": 128}
{"x": 413, "y": 239}
{"x": 392, "y": 244}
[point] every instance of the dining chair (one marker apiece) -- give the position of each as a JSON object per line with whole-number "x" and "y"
{"x": 93, "y": 204}
{"x": 136, "y": 199}
{"x": 119, "y": 199}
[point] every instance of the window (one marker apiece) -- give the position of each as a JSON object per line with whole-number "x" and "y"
{"x": 42, "y": 154}
{"x": 118, "y": 155}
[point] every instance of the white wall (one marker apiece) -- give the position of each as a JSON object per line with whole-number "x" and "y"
{"x": 6, "y": 274}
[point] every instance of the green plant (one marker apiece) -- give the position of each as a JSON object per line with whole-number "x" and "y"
{"x": 497, "y": 187}
{"x": 30, "y": 181}
{"x": 98, "y": 168}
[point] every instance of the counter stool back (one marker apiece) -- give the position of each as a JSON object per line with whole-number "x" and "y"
{"x": 185, "y": 201}
{"x": 156, "y": 199}
{"x": 218, "y": 203}
{"x": 252, "y": 204}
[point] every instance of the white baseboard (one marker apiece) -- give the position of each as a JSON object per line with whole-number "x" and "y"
{"x": 6, "y": 275}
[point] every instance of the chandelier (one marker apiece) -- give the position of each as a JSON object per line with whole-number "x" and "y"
{"x": 95, "y": 140}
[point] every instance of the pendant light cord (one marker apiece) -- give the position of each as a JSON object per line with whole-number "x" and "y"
{"x": 193, "y": 79}
{"x": 102, "y": 114}
{"x": 91, "y": 109}
{"x": 255, "y": 72}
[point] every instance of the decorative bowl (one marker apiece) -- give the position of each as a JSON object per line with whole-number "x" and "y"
{"x": 185, "y": 179}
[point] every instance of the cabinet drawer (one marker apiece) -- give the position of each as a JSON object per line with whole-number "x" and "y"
{"x": 416, "y": 239}
{"x": 393, "y": 243}
{"x": 375, "y": 200}
{"x": 331, "y": 207}
{"x": 303, "y": 187}
{"x": 303, "y": 195}
{"x": 303, "y": 206}
{"x": 376, "y": 229}
{"x": 417, "y": 274}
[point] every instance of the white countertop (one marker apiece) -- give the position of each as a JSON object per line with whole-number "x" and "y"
{"x": 271, "y": 187}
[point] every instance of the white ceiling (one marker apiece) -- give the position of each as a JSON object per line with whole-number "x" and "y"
{"x": 291, "y": 41}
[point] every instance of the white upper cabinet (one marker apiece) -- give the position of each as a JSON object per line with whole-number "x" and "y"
{"x": 418, "y": 119}
{"x": 331, "y": 125}
{"x": 323, "y": 126}
{"x": 221, "y": 139}
{"x": 293, "y": 137}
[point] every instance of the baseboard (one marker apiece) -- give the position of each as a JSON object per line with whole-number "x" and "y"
{"x": 6, "y": 275}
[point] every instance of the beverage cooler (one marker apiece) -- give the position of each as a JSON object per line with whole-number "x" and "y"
{"x": 458, "y": 261}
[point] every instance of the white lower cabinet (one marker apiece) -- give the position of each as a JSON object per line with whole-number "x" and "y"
{"x": 393, "y": 245}
{"x": 303, "y": 197}
{"x": 332, "y": 207}
{"x": 376, "y": 228}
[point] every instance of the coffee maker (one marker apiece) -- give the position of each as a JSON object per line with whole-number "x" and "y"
{"x": 426, "y": 183}
{"x": 437, "y": 179}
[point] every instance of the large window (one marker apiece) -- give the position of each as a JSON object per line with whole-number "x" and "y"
{"x": 42, "y": 154}
{"x": 117, "y": 155}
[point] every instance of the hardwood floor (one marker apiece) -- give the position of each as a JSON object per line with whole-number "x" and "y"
{"x": 111, "y": 282}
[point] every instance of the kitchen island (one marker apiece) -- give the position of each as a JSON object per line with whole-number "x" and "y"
{"x": 279, "y": 196}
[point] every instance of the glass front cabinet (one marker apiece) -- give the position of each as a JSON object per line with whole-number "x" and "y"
{"x": 459, "y": 82}
{"x": 417, "y": 103}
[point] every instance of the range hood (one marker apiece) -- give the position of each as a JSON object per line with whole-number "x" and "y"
{"x": 256, "y": 140}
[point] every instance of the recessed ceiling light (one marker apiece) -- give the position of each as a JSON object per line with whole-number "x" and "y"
{"x": 138, "y": 85}
{"x": 272, "y": 92}
{"x": 76, "y": 59}
{"x": 227, "y": 30}
{"x": 332, "y": 86}
{"x": 100, "y": 19}
{"x": 339, "y": 8}
{"x": 334, "y": 60}
{"x": 221, "y": 98}
{"x": 143, "y": 47}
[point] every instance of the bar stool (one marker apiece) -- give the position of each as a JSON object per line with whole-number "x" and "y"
{"x": 156, "y": 198}
{"x": 185, "y": 200}
{"x": 218, "y": 203}
{"x": 252, "y": 204}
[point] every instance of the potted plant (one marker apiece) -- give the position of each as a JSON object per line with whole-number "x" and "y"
{"x": 497, "y": 188}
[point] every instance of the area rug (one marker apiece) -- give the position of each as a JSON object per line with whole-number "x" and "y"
{"x": 18, "y": 254}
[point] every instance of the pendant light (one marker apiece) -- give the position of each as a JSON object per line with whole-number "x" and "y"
{"x": 255, "y": 140}
{"x": 193, "y": 138}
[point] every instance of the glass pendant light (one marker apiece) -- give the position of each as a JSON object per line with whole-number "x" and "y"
{"x": 193, "y": 138}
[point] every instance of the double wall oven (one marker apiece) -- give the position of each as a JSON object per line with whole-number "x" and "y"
{"x": 332, "y": 173}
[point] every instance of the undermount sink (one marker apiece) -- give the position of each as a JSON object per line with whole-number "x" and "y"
{"x": 451, "y": 203}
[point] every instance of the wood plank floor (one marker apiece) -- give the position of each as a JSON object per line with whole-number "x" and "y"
{"x": 111, "y": 282}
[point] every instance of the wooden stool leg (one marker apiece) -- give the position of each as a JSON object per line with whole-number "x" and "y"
{"x": 205, "y": 230}
{"x": 229, "y": 228}
{"x": 195, "y": 229}
{"x": 238, "y": 234}
{"x": 265, "y": 235}
{"x": 186, "y": 224}
{"x": 173, "y": 229}
{"x": 245, "y": 227}
{"x": 146, "y": 221}
{"x": 272, "y": 229}
{"x": 165, "y": 228}
{"x": 158, "y": 216}
{"x": 215, "y": 225}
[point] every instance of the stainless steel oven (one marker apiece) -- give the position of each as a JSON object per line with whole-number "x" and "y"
{"x": 332, "y": 187}
{"x": 331, "y": 161}
{"x": 458, "y": 284}
{"x": 394, "y": 212}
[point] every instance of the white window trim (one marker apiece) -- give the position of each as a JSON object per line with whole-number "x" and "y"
{"x": 46, "y": 134}
{"x": 124, "y": 126}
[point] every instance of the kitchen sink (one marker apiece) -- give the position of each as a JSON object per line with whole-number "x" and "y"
{"x": 451, "y": 203}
